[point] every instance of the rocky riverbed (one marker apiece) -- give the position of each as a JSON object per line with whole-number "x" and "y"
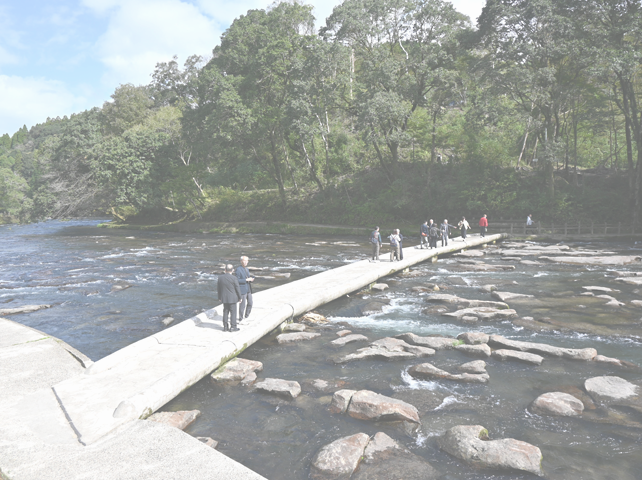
{"x": 552, "y": 343}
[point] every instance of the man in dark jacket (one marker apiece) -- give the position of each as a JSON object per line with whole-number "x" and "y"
{"x": 424, "y": 230}
{"x": 445, "y": 231}
{"x": 229, "y": 293}
{"x": 245, "y": 282}
{"x": 433, "y": 230}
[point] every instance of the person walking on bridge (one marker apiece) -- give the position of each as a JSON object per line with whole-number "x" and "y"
{"x": 445, "y": 231}
{"x": 394, "y": 245}
{"x": 245, "y": 282}
{"x": 229, "y": 292}
{"x": 433, "y": 230}
{"x": 375, "y": 240}
{"x": 483, "y": 225}
{"x": 423, "y": 234}
{"x": 464, "y": 226}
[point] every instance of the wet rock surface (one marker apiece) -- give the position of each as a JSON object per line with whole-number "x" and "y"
{"x": 236, "y": 370}
{"x": 427, "y": 371}
{"x": 508, "y": 296}
{"x": 585, "y": 354}
{"x": 22, "y": 309}
{"x": 455, "y": 300}
{"x": 611, "y": 389}
{"x": 470, "y": 443}
{"x": 339, "y": 459}
{"x": 476, "y": 366}
{"x": 473, "y": 338}
{"x": 557, "y": 404}
{"x": 524, "y": 357}
{"x": 294, "y": 327}
{"x": 369, "y": 405}
{"x": 389, "y": 349}
{"x": 181, "y": 419}
{"x": 284, "y": 388}
{"x": 481, "y": 350}
{"x": 483, "y": 313}
{"x": 340, "y": 342}
{"x": 434, "y": 342}
{"x": 296, "y": 337}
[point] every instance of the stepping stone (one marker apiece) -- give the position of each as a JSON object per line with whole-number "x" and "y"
{"x": 236, "y": 370}
{"x": 295, "y": 337}
{"x": 294, "y": 327}
{"x": 380, "y": 286}
{"x": 427, "y": 371}
{"x": 473, "y": 338}
{"x": 557, "y": 404}
{"x": 343, "y": 333}
{"x": 519, "y": 356}
{"x": 481, "y": 350}
{"x": 484, "y": 313}
{"x": 340, "y": 458}
{"x": 340, "y": 342}
{"x": 608, "y": 389}
{"x": 470, "y": 443}
{"x": 476, "y": 366}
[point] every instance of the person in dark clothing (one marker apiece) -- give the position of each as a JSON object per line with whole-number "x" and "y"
{"x": 445, "y": 231}
{"x": 434, "y": 234}
{"x": 375, "y": 240}
{"x": 423, "y": 235}
{"x": 229, "y": 292}
{"x": 245, "y": 282}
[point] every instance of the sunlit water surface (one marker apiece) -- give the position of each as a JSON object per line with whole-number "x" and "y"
{"x": 109, "y": 288}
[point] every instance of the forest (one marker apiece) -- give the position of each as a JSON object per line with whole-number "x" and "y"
{"x": 391, "y": 109}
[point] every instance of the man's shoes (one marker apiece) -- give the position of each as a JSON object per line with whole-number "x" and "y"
{"x": 235, "y": 329}
{"x": 226, "y": 329}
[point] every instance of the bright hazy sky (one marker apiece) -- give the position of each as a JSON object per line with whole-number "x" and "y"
{"x": 59, "y": 57}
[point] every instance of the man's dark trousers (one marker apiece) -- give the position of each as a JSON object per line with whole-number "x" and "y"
{"x": 229, "y": 309}
{"x": 243, "y": 311}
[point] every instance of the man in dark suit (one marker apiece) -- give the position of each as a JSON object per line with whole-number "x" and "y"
{"x": 229, "y": 293}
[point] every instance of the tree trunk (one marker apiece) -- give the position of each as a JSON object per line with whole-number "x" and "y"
{"x": 276, "y": 163}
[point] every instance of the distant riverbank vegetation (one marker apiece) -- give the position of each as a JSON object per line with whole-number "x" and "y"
{"x": 392, "y": 109}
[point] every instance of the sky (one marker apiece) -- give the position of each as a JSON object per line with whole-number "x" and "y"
{"x": 59, "y": 57}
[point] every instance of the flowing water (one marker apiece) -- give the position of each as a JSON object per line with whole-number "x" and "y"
{"x": 109, "y": 288}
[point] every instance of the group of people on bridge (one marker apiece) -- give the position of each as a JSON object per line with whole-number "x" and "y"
{"x": 429, "y": 234}
{"x": 235, "y": 288}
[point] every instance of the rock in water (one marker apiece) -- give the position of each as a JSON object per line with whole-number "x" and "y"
{"x": 470, "y": 443}
{"x": 368, "y": 405}
{"x": 609, "y": 389}
{"x": 180, "y": 419}
{"x": 430, "y": 372}
{"x": 481, "y": 350}
{"x": 296, "y": 337}
{"x": 340, "y": 342}
{"x": 294, "y": 327}
{"x": 23, "y": 309}
{"x": 313, "y": 318}
{"x": 557, "y": 404}
{"x": 385, "y": 459}
{"x": 525, "y": 357}
{"x": 436, "y": 343}
{"x": 473, "y": 338}
{"x": 339, "y": 459}
{"x": 236, "y": 370}
{"x": 484, "y": 313}
{"x": 341, "y": 400}
{"x": 279, "y": 387}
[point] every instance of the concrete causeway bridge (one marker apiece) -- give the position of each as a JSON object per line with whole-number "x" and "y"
{"x": 112, "y": 394}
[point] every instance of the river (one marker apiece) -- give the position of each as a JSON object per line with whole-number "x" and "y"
{"x": 109, "y": 288}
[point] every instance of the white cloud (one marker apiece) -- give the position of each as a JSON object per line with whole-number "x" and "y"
{"x": 31, "y": 100}
{"x": 142, "y": 33}
{"x": 472, "y": 8}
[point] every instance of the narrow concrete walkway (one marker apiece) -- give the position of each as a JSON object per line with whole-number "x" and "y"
{"x": 71, "y": 406}
{"x": 37, "y": 441}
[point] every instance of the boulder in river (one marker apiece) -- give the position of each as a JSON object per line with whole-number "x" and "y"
{"x": 557, "y": 404}
{"x": 471, "y": 444}
{"x": 340, "y": 342}
{"x": 236, "y": 370}
{"x": 389, "y": 349}
{"x": 610, "y": 389}
{"x": 296, "y": 337}
{"x": 612, "y": 301}
{"x": 368, "y": 405}
{"x": 427, "y": 371}
{"x": 599, "y": 289}
{"x": 385, "y": 459}
{"x": 473, "y": 338}
{"x": 339, "y": 459}
{"x": 476, "y": 366}
{"x": 341, "y": 400}
{"x": 630, "y": 280}
{"x": 294, "y": 327}
{"x": 481, "y": 350}
{"x": 343, "y": 333}
{"x": 379, "y": 286}
{"x": 504, "y": 354}
{"x": 209, "y": 441}
{"x": 454, "y": 299}
{"x": 585, "y": 354}
{"x": 436, "y": 343}
{"x": 276, "y": 386}
{"x": 483, "y": 313}
{"x": 508, "y": 296}
{"x": 180, "y": 419}
{"x": 312, "y": 318}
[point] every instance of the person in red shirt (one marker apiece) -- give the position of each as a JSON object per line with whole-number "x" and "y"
{"x": 483, "y": 225}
